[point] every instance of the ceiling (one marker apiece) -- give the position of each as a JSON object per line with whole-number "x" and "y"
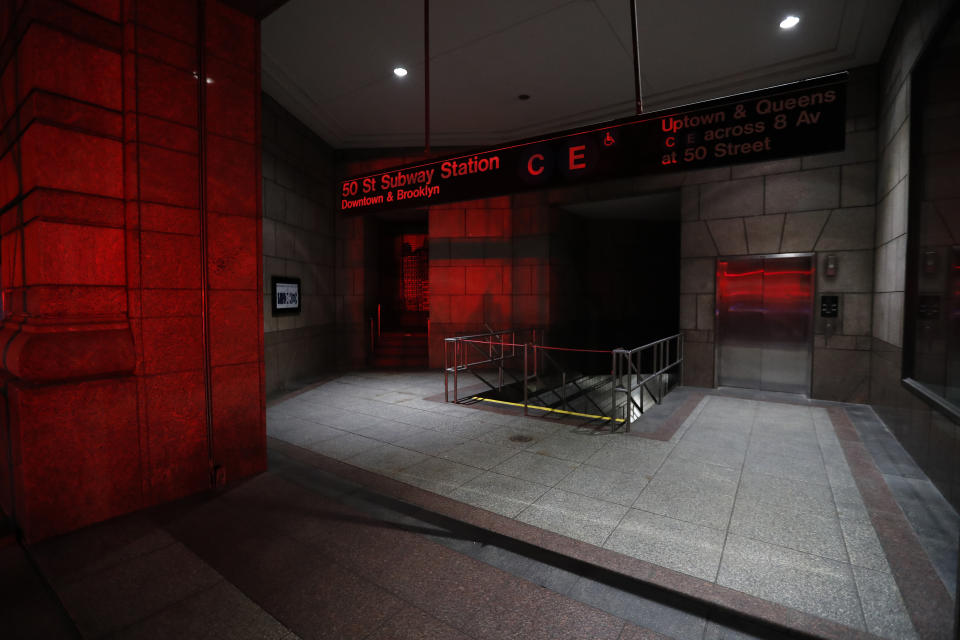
{"x": 330, "y": 63}
{"x": 662, "y": 205}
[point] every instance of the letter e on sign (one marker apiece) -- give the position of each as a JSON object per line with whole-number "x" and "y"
{"x": 576, "y": 157}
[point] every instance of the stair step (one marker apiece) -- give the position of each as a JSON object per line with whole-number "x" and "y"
{"x": 401, "y": 343}
{"x": 400, "y": 350}
{"x": 386, "y": 353}
{"x": 400, "y": 363}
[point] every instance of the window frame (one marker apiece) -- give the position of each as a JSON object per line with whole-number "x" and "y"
{"x": 914, "y": 203}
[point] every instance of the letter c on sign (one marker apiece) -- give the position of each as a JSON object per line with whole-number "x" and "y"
{"x": 530, "y": 168}
{"x": 671, "y": 141}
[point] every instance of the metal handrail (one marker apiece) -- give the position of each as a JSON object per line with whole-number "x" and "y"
{"x": 543, "y": 353}
{"x": 627, "y": 374}
{"x": 629, "y": 363}
{"x": 496, "y": 353}
{"x": 375, "y": 336}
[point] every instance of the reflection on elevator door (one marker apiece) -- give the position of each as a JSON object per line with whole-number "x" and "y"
{"x": 765, "y": 322}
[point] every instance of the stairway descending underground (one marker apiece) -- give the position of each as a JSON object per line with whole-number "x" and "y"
{"x": 400, "y": 350}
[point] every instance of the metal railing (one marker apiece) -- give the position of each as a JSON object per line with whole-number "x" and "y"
{"x": 549, "y": 385}
{"x": 374, "y": 334}
{"x": 486, "y": 352}
{"x": 573, "y": 378}
{"x": 645, "y": 370}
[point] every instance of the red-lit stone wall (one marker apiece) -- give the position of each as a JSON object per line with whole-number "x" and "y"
{"x": 355, "y": 283}
{"x": 498, "y": 262}
{"x": 471, "y": 269}
{"x": 492, "y": 263}
{"x": 129, "y": 257}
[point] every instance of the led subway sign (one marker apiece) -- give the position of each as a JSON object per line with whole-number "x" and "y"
{"x": 797, "y": 119}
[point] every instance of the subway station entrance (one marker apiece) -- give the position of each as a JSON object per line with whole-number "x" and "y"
{"x": 399, "y": 328}
{"x": 229, "y": 270}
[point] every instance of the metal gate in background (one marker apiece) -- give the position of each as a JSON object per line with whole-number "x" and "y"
{"x": 765, "y": 322}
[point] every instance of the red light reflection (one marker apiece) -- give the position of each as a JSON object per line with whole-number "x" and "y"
{"x": 782, "y": 286}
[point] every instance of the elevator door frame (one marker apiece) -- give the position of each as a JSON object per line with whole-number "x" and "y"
{"x": 813, "y": 317}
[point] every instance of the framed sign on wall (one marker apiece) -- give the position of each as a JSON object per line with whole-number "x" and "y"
{"x": 286, "y": 295}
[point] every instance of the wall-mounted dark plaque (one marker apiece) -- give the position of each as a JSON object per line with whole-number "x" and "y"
{"x": 795, "y": 119}
{"x": 286, "y": 295}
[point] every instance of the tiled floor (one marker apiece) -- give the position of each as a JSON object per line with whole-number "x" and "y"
{"x": 298, "y": 553}
{"x": 420, "y": 519}
{"x": 754, "y": 495}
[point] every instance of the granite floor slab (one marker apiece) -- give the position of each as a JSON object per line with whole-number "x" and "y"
{"x": 668, "y": 542}
{"x": 573, "y": 515}
{"x": 536, "y": 468}
{"x": 500, "y": 494}
{"x": 325, "y": 551}
{"x": 812, "y": 584}
{"x": 611, "y": 486}
{"x": 754, "y": 494}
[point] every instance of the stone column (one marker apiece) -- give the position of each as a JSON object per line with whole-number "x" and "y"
{"x": 129, "y": 259}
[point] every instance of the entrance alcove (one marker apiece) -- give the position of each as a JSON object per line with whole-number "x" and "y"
{"x": 401, "y": 306}
{"x": 622, "y": 261}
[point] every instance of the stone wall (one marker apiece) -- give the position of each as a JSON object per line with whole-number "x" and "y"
{"x": 130, "y": 216}
{"x": 822, "y": 204}
{"x": 489, "y": 265}
{"x": 304, "y": 238}
{"x": 930, "y": 437}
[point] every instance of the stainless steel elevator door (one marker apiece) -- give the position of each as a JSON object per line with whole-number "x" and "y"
{"x": 739, "y": 322}
{"x": 765, "y": 322}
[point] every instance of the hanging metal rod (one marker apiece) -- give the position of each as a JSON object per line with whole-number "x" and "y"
{"x": 636, "y": 57}
{"x": 426, "y": 76}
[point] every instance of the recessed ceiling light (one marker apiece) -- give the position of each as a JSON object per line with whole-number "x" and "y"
{"x": 399, "y": 72}
{"x": 789, "y": 22}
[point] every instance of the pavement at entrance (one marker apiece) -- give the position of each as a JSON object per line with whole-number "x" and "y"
{"x": 389, "y": 514}
{"x": 300, "y": 553}
{"x": 778, "y": 500}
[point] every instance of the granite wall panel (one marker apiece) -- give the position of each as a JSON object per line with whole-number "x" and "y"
{"x": 302, "y": 238}
{"x": 104, "y": 234}
{"x": 929, "y": 436}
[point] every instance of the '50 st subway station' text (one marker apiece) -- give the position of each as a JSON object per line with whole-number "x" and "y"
{"x": 413, "y": 183}
{"x": 799, "y": 119}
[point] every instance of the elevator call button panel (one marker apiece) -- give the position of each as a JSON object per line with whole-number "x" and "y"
{"x": 929, "y": 307}
{"x": 829, "y": 306}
